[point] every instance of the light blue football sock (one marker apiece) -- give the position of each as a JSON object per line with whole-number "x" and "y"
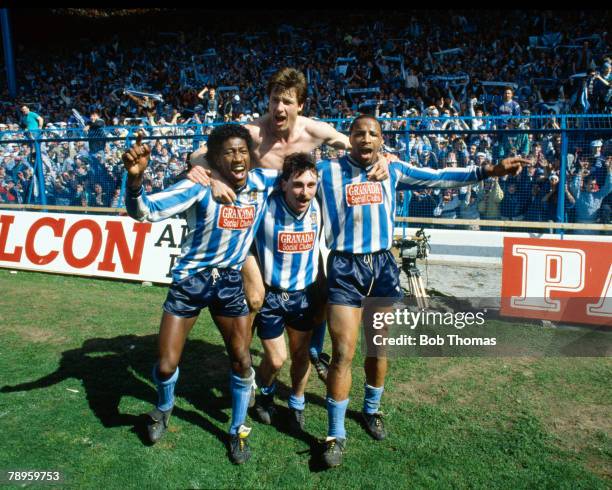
{"x": 335, "y": 417}
{"x": 371, "y": 399}
{"x": 241, "y": 393}
{"x": 318, "y": 337}
{"x": 297, "y": 402}
{"x": 165, "y": 389}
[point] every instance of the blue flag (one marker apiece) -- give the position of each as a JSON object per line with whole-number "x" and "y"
{"x": 584, "y": 98}
{"x": 79, "y": 118}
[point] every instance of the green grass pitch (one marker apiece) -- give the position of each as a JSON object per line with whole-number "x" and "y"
{"x": 75, "y": 362}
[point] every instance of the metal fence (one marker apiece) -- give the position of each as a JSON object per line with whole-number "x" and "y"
{"x": 69, "y": 167}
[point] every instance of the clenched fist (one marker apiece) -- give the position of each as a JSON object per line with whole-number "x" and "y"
{"x": 136, "y": 159}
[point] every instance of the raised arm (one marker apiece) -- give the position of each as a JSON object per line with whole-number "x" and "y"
{"x": 202, "y": 92}
{"x": 410, "y": 177}
{"x": 161, "y": 205}
{"x": 576, "y": 184}
{"x": 133, "y": 97}
{"x": 603, "y": 80}
{"x": 465, "y": 200}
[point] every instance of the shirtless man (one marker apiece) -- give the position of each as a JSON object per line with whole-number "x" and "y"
{"x": 279, "y": 133}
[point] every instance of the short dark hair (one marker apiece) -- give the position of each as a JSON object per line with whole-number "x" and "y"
{"x": 287, "y": 78}
{"x": 363, "y": 116}
{"x": 297, "y": 163}
{"x": 509, "y": 88}
{"x": 220, "y": 135}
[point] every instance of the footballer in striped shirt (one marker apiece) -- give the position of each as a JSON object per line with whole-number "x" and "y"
{"x": 288, "y": 248}
{"x": 207, "y": 274}
{"x": 358, "y": 217}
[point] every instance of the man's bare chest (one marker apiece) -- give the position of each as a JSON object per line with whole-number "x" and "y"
{"x": 272, "y": 154}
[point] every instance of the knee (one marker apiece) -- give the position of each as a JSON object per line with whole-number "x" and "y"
{"x": 300, "y": 356}
{"x": 166, "y": 367}
{"x": 255, "y": 300}
{"x": 241, "y": 364}
{"x": 343, "y": 357}
{"x": 277, "y": 361}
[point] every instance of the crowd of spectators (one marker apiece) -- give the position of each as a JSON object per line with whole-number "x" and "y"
{"x": 408, "y": 62}
{"x": 406, "y": 65}
{"x": 530, "y": 196}
{"x": 87, "y": 173}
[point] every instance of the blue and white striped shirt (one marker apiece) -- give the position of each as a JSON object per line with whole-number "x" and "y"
{"x": 288, "y": 245}
{"x": 220, "y": 235}
{"x": 358, "y": 214}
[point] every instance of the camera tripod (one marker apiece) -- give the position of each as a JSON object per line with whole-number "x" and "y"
{"x": 420, "y": 242}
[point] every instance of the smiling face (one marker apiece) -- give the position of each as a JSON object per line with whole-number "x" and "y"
{"x": 366, "y": 140}
{"x": 299, "y": 190}
{"x": 284, "y": 109}
{"x": 234, "y": 161}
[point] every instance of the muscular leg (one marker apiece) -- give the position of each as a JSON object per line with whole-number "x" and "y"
{"x": 375, "y": 370}
{"x": 236, "y": 333}
{"x": 173, "y": 333}
{"x": 275, "y": 355}
{"x": 343, "y": 330}
{"x": 300, "y": 363}
{"x": 375, "y": 366}
{"x": 254, "y": 288}
{"x": 318, "y": 334}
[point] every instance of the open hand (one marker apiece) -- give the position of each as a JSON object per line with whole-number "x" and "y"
{"x": 508, "y": 166}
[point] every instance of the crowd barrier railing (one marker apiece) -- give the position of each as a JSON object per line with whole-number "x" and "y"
{"x": 67, "y": 168}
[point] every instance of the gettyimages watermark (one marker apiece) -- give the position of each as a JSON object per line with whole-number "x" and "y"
{"x": 472, "y": 327}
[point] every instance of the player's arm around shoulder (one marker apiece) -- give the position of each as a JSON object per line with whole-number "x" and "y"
{"x": 201, "y": 173}
{"x": 256, "y": 130}
{"x": 265, "y": 179}
{"x": 322, "y": 133}
{"x": 404, "y": 174}
{"x": 198, "y": 157}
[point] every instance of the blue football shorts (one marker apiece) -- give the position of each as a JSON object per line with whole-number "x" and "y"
{"x": 219, "y": 290}
{"x": 353, "y": 277}
{"x": 296, "y": 309}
